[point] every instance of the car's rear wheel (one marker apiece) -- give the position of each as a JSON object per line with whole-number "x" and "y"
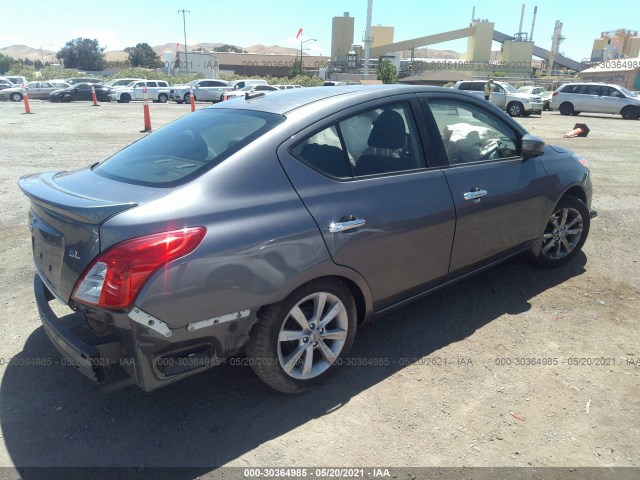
{"x": 125, "y": 98}
{"x": 575, "y": 114}
{"x": 630, "y": 113}
{"x": 15, "y": 97}
{"x": 565, "y": 233}
{"x": 187, "y": 98}
{"x": 66, "y": 98}
{"x": 298, "y": 342}
{"x": 162, "y": 98}
{"x": 515, "y": 109}
{"x": 566, "y": 109}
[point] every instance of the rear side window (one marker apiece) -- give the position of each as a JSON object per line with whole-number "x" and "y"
{"x": 188, "y": 147}
{"x": 323, "y": 152}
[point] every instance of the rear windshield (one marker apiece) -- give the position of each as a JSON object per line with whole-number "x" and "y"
{"x": 188, "y": 147}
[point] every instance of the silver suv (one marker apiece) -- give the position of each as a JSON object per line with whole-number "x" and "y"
{"x": 505, "y": 96}
{"x": 575, "y": 98}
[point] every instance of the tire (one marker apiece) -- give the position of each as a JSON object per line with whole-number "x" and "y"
{"x": 566, "y": 109}
{"x": 565, "y": 233}
{"x": 630, "y": 113}
{"x": 187, "y": 98}
{"x": 575, "y": 114}
{"x": 163, "y": 98}
{"x": 515, "y": 109}
{"x": 125, "y": 98}
{"x": 65, "y": 98}
{"x": 15, "y": 97}
{"x": 545, "y": 106}
{"x": 289, "y": 350}
{"x": 179, "y": 102}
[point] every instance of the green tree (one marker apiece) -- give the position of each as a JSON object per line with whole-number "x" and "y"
{"x": 229, "y": 48}
{"x": 142, "y": 55}
{"x": 83, "y": 54}
{"x": 6, "y": 63}
{"x": 387, "y": 72}
{"x": 297, "y": 69}
{"x": 38, "y": 64}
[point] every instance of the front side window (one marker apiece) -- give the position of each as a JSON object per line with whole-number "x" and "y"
{"x": 188, "y": 147}
{"x": 470, "y": 134}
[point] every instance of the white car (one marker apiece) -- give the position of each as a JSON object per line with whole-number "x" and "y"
{"x": 207, "y": 90}
{"x": 250, "y": 89}
{"x": 157, "y": 91}
{"x": 505, "y": 96}
{"x": 574, "y": 98}
{"x": 122, "y": 82}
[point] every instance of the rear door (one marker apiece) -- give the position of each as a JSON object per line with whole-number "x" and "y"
{"x": 499, "y": 197}
{"x": 380, "y": 207}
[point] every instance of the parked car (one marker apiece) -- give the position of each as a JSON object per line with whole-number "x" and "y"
{"x": 575, "y": 98}
{"x": 17, "y": 79}
{"x": 239, "y": 84}
{"x": 157, "y": 91}
{"x": 4, "y": 83}
{"x": 80, "y": 91}
{"x": 287, "y": 87}
{"x": 249, "y": 89}
{"x": 34, "y": 90}
{"x": 277, "y": 225}
{"x": 505, "y": 96}
{"x": 208, "y": 90}
{"x": 121, "y": 82}
{"x": 76, "y": 80}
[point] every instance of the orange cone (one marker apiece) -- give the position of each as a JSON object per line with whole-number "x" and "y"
{"x": 225, "y": 97}
{"x": 147, "y": 117}
{"x": 193, "y": 102}
{"x": 93, "y": 96}
{"x": 25, "y": 98}
{"x": 579, "y": 130}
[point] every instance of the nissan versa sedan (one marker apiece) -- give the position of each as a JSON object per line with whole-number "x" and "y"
{"x": 276, "y": 225}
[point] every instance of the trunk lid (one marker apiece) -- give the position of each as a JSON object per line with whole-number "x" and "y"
{"x": 67, "y": 209}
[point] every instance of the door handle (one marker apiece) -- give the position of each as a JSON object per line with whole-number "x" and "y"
{"x": 337, "y": 227}
{"x": 473, "y": 195}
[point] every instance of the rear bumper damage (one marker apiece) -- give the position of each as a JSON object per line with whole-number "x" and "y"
{"x": 152, "y": 357}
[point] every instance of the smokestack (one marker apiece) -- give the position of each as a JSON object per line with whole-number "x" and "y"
{"x": 521, "y": 19}
{"x": 533, "y": 23}
{"x": 367, "y": 38}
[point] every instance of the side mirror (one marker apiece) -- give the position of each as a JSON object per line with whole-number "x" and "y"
{"x": 532, "y": 146}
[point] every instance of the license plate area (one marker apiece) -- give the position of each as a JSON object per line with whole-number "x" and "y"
{"x": 48, "y": 250}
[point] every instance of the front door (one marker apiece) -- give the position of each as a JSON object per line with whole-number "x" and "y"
{"x": 499, "y": 196}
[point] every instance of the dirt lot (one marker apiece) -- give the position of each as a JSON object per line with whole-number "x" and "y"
{"x": 462, "y": 381}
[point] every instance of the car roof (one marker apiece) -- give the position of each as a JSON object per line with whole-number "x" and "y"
{"x": 283, "y": 101}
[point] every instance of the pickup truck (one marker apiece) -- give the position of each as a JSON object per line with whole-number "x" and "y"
{"x": 505, "y": 96}
{"x": 208, "y": 90}
{"x": 157, "y": 90}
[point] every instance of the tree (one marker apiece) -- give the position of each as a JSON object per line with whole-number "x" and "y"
{"x": 38, "y": 64}
{"x": 142, "y": 55}
{"x": 387, "y": 72}
{"x": 297, "y": 69}
{"x": 229, "y": 48}
{"x": 6, "y": 63}
{"x": 83, "y": 54}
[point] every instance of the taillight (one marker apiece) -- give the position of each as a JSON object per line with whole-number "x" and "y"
{"x": 554, "y": 94}
{"x": 115, "y": 277}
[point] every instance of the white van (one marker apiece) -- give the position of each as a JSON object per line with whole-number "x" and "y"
{"x": 238, "y": 84}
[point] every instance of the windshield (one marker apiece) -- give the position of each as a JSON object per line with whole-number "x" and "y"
{"x": 508, "y": 87}
{"x": 628, "y": 93}
{"x": 191, "y": 83}
{"x": 246, "y": 89}
{"x": 188, "y": 147}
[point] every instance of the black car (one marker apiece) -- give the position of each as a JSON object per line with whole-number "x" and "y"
{"x": 80, "y": 91}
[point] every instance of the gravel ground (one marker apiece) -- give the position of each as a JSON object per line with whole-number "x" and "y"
{"x": 457, "y": 379}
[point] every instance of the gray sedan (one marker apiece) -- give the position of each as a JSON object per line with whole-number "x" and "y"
{"x": 34, "y": 90}
{"x": 276, "y": 225}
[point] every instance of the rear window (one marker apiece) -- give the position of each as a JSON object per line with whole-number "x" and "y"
{"x": 188, "y": 147}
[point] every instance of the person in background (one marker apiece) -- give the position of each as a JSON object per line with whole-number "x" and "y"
{"x": 488, "y": 89}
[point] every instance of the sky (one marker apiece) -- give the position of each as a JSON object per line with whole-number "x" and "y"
{"x": 117, "y": 24}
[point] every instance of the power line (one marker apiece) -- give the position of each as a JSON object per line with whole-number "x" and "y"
{"x": 184, "y": 25}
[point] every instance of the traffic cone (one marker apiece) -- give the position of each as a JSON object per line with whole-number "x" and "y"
{"x": 193, "y": 102}
{"x": 225, "y": 97}
{"x": 93, "y": 96}
{"x": 147, "y": 117}
{"x": 25, "y": 98}
{"x": 579, "y": 130}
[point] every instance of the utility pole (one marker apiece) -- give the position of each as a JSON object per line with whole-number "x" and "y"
{"x": 184, "y": 25}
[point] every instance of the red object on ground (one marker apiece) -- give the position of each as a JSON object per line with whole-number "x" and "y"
{"x": 579, "y": 130}
{"x": 147, "y": 116}
{"x": 25, "y": 98}
{"x": 193, "y": 102}
{"x": 93, "y": 96}
{"x": 225, "y": 97}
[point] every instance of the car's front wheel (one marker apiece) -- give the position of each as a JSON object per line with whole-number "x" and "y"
{"x": 16, "y": 97}
{"x": 515, "y": 109}
{"x": 298, "y": 342}
{"x": 125, "y": 98}
{"x": 630, "y": 113}
{"x": 162, "y": 98}
{"x": 565, "y": 233}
